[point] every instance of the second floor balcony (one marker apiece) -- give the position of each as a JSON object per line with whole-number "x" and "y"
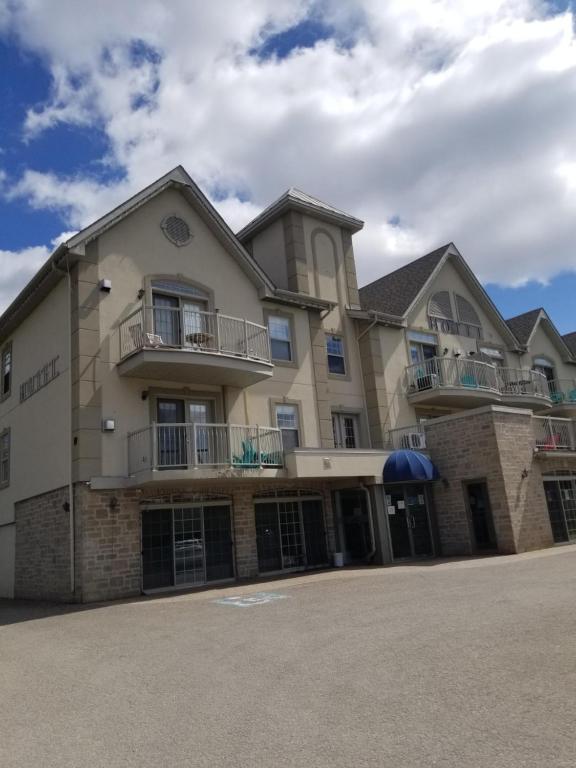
{"x": 185, "y": 345}
{"x": 203, "y": 449}
{"x": 462, "y": 382}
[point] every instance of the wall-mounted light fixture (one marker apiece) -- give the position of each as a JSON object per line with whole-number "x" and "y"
{"x": 105, "y": 285}
{"x": 457, "y": 353}
{"x": 445, "y": 351}
{"x": 108, "y": 425}
{"x": 113, "y": 502}
{"x": 141, "y": 293}
{"x": 144, "y": 394}
{"x": 471, "y": 353}
{"x": 524, "y": 474}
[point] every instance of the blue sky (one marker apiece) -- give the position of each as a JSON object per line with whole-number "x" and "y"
{"x": 316, "y": 96}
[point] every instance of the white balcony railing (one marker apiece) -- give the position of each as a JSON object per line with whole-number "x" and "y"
{"x": 451, "y": 372}
{"x": 563, "y": 391}
{"x": 553, "y": 434}
{"x": 522, "y": 381}
{"x": 181, "y": 328}
{"x": 190, "y": 446}
{"x": 411, "y": 438}
{"x": 467, "y": 374}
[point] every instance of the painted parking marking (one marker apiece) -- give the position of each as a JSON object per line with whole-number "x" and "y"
{"x": 247, "y": 601}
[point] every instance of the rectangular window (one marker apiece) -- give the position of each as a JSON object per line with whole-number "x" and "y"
{"x": 335, "y": 351}
{"x": 345, "y": 426}
{"x": 5, "y": 458}
{"x": 287, "y": 421}
{"x": 280, "y": 337}
{"x": 6, "y": 372}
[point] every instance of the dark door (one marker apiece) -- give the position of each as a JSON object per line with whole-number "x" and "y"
{"x": 157, "y": 549}
{"x": 218, "y": 543}
{"x": 355, "y": 524}
{"x": 418, "y": 521}
{"x": 172, "y": 450}
{"x": 268, "y": 537}
{"x": 481, "y": 517}
{"x": 409, "y": 522}
{"x": 398, "y": 523}
{"x": 314, "y": 533}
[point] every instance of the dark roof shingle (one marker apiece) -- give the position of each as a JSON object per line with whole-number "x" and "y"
{"x": 523, "y": 325}
{"x": 394, "y": 293}
{"x": 570, "y": 341}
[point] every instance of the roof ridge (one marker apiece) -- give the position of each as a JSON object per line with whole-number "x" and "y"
{"x": 442, "y": 248}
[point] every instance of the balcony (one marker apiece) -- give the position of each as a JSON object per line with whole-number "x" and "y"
{"x": 188, "y": 346}
{"x": 563, "y": 396}
{"x": 461, "y": 382}
{"x": 407, "y": 438}
{"x": 554, "y": 435}
{"x": 193, "y": 451}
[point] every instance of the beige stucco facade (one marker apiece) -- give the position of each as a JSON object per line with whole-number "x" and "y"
{"x": 85, "y": 448}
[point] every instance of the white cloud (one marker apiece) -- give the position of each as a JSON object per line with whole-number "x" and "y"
{"x": 457, "y": 118}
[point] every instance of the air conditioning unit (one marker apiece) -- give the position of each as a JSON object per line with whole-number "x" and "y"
{"x": 413, "y": 440}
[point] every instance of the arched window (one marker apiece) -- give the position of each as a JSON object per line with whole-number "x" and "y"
{"x": 468, "y": 321}
{"x": 440, "y": 305}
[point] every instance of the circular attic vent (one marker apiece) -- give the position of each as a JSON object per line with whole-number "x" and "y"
{"x": 176, "y": 230}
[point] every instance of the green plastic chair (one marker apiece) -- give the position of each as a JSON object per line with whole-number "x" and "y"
{"x": 557, "y": 397}
{"x": 572, "y": 395}
{"x": 469, "y": 381}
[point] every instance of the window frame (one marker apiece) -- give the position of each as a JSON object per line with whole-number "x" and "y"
{"x": 337, "y": 374}
{"x": 297, "y": 429}
{"x": 292, "y": 362}
{"x": 5, "y": 435}
{"x": 6, "y": 351}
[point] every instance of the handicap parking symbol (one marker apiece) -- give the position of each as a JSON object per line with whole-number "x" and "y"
{"x": 247, "y": 601}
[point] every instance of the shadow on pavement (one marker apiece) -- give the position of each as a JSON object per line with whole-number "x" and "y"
{"x": 17, "y": 611}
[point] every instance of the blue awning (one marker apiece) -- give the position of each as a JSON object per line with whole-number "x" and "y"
{"x": 409, "y": 467}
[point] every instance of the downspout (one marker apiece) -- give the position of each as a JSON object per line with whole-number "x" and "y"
{"x": 71, "y": 511}
{"x": 372, "y": 552}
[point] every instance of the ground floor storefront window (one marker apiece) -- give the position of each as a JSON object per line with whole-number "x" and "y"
{"x": 290, "y": 533}
{"x": 409, "y": 524}
{"x": 561, "y": 500}
{"x": 187, "y": 545}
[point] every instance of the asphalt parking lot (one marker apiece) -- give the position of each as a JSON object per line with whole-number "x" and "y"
{"x": 469, "y": 663}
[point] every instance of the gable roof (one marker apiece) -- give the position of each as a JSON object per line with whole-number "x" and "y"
{"x": 67, "y": 253}
{"x": 395, "y": 293}
{"x": 399, "y": 291}
{"x": 570, "y": 341}
{"x": 522, "y": 326}
{"x": 295, "y": 199}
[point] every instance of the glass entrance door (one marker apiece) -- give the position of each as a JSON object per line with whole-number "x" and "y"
{"x": 172, "y": 448}
{"x": 561, "y": 501}
{"x": 199, "y": 413}
{"x": 186, "y": 546}
{"x": 408, "y": 522}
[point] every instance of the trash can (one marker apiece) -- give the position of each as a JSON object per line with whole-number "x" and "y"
{"x": 338, "y": 559}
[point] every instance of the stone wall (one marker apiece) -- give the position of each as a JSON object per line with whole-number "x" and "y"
{"x": 42, "y": 565}
{"x": 108, "y": 531}
{"x": 494, "y": 444}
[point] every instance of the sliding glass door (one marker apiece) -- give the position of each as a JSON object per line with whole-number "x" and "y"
{"x": 186, "y": 545}
{"x": 290, "y": 534}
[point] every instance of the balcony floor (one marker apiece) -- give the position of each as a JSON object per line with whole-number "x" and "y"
{"x": 195, "y": 366}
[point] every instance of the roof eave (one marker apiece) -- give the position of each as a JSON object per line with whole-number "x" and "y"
{"x": 285, "y": 204}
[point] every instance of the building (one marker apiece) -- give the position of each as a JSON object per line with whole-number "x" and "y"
{"x": 182, "y": 406}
